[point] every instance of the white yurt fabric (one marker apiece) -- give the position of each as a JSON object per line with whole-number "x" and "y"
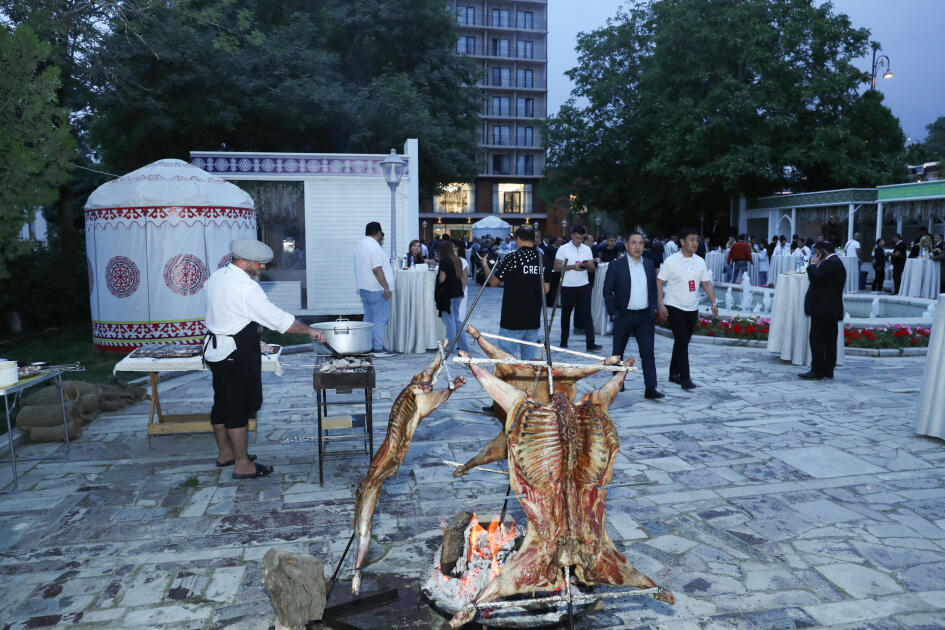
{"x": 490, "y": 226}
{"x": 153, "y": 237}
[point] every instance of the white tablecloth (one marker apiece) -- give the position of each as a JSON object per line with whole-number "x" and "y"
{"x": 930, "y": 416}
{"x": 788, "y": 334}
{"x": 715, "y": 261}
{"x": 270, "y": 363}
{"x": 852, "y": 266}
{"x": 414, "y": 326}
{"x": 598, "y": 307}
{"x": 778, "y": 265}
{"x": 920, "y": 278}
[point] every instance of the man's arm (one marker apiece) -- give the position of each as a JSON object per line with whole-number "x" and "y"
{"x": 561, "y": 265}
{"x": 610, "y": 280}
{"x": 379, "y": 274}
{"x": 493, "y": 281}
{"x": 661, "y": 308}
{"x": 298, "y": 328}
{"x": 710, "y": 293}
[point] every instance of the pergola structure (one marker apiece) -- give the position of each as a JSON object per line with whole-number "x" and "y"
{"x": 920, "y": 201}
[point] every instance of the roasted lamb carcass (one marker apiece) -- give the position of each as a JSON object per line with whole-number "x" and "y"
{"x": 523, "y": 376}
{"x": 415, "y": 402}
{"x": 560, "y": 454}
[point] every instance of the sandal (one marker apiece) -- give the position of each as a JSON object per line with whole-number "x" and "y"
{"x": 261, "y": 471}
{"x": 252, "y": 458}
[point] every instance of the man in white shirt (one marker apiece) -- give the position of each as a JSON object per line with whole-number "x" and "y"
{"x": 574, "y": 259}
{"x": 852, "y": 248}
{"x": 373, "y": 278}
{"x": 670, "y": 247}
{"x": 236, "y": 307}
{"x": 677, "y": 294}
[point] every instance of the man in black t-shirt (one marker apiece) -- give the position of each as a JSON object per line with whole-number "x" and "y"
{"x": 522, "y": 299}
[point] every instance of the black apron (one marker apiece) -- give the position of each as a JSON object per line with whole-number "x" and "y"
{"x": 237, "y": 380}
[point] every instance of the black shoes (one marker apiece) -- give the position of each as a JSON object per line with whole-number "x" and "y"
{"x": 687, "y": 384}
{"x": 596, "y": 346}
{"x": 652, "y": 394}
{"x": 679, "y": 380}
{"x": 811, "y": 376}
{"x": 675, "y": 378}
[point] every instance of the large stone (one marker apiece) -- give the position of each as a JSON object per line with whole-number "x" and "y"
{"x": 296, "y": 584}
{"x": 454, "y": 541}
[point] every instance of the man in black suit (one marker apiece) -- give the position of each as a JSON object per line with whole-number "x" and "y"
{"x": 824, "y": 304}
{"x": 630, "y": 297}
{"x": 898, "y": 260}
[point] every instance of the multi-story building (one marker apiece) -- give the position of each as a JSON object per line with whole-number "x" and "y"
{"x": 509, "y": 38}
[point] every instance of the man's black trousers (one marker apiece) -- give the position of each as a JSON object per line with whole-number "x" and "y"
{"x": 823, "y": 344}
{"x": 641, "y": 325}
{"x": 682, "y": 323}
{"x": 577, "y": 299}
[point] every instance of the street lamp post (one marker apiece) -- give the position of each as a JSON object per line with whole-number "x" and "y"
{"x": 879, "y": 62}
{"x": 564, "y": 228}
{"x": 393, "y": 168}
{"x": 424, "y": 229}
{"x": 597, "y": 221}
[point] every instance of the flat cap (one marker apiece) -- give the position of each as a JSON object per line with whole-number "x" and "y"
{"x": 251, "y": 249}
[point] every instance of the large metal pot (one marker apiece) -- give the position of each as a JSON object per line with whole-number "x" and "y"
{"x": 346, "y": 336}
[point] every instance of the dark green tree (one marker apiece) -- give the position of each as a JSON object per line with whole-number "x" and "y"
{"x": 681, "y": 105}
{"x": 320, "y": 76}
{"x": 36, "y": 145}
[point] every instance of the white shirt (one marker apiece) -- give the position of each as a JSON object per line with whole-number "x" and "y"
{"x": 234, "y": 300}
{"x": 763, "y": 260}
{"x": 639, "y": 298}
{"x": 801, "y": 253}
{"x": 670, "y": 248}
{"x": 369, "y": 254}
{"x": 573, "y": 255}
{"x": 852, "y": 248}
{"x": 682, "y": 277}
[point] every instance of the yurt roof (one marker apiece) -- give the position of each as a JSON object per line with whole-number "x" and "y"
{"x": 490, "y": 222}
{"x": 168, "y": 182}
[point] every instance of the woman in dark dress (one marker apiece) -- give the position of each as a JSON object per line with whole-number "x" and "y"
{"x": 449, "y": 292}
{"x": 879, "y": 265}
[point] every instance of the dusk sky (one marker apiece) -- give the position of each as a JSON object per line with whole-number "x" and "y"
{"x": 910, "y": 32}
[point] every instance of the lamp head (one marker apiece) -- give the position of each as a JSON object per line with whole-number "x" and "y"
{"x": 393, "y": 168}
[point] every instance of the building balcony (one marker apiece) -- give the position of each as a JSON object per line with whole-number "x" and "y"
{"x": 534, "y": 84}
{"x": 510, "y": 112}
{"x": 535, "y": 25}
{"x": 488, "y": 52}
{"x": 503, "y": 143}
{"x": 512, "y": 171}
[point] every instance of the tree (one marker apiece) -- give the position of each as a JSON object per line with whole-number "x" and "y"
{"x": 36, "y": 146}
{"x": 691, "y": 103}
{"x": 320, "y": 76}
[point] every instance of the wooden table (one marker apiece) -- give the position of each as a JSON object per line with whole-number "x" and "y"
{"x": 161, "y": 423}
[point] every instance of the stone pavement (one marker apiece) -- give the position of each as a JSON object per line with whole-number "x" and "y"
{"x": 761, "y": 500}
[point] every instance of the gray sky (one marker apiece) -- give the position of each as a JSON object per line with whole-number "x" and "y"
{"x": 910, "y": 32}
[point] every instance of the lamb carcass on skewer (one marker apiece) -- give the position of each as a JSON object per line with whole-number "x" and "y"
{"x": 415, "y": 402}
{"x": 560, "y": 456}
{"x": 523, "y": 376}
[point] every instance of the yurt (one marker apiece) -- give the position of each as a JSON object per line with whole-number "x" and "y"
{"x": 490, "y": 226}
{"x": 152, "y": 238}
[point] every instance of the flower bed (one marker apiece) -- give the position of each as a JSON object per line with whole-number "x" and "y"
{"x": 756, "y": 328}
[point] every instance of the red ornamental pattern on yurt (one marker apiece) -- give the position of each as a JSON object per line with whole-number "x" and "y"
{"x": 126, "y": 336}
{"x": 185, "y": 274}
{"x": 226, "y": 260}
{"x": 122, "y": 276}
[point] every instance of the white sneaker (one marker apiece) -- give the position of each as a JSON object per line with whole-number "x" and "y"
{"x": 383, "y": 353}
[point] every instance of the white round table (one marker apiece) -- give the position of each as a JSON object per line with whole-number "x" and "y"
{"x": 598, "y": 307}
{"x": 789, "y": 331}
{"x": 852, "y": 266}
{"x": 930, "y": 420}
{"x": 777, "y": 265}
{"x": 715, "y": 262}
{"x": 414, "y": 326}
{"x": 920, "y": 278}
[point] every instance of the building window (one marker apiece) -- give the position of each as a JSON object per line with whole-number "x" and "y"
{"x": 500, "y": 48}
{"x": 466, "y": 15}
{"x": 455, "y": 198}
{"x": 525, "y": 49}
{"x": 502, "y": 77}
{"x": 525, "y": 20}
{"x": 512, "y": 198}
{"x": 501, "y": 106}
{"x": 524, "y": 136}
{"x": 525, "y": 107}
{"x": 524, "y": 78}
{"x": 501, "y": 134}
{"x": 525, "y": 165}
{"x": 501, "y": 17}
{"x": 501, "y": 165}
{"x": 466, "y": 46}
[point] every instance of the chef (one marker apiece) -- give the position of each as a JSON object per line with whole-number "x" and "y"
{"x": 236, "y": 308}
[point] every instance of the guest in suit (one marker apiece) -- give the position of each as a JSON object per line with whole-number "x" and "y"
{"x": 898, "y": 260}
{"x": 824, "y": 304}
{"x": 879, "y": 265}
{"x": 630, "y": 298}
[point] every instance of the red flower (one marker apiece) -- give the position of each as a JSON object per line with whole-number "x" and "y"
{"x": 737, "y": 328}
{"x": 711, "y": 333}
{"x": 846, "y": 342}
{"x": 915, "y": 341}
{"x": 750, "y": 330}
{"x": 765, "y": 330}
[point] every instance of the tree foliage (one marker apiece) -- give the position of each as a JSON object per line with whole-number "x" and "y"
{"x": 679, "y": 105}
{"x": 36, "y": 146}
{"x": 267, "y": 75}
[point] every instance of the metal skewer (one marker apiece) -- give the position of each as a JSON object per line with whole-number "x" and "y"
{"x": 541, "y": 345}
{"x": 542, "y": 364}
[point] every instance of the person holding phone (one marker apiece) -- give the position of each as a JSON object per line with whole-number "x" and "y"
{"x": 824, "y": 304}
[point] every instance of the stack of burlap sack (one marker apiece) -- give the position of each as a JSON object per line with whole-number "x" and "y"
{"x": 40, "y": 415}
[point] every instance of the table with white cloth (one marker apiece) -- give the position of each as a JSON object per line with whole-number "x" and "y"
{"x": 920, "y": 278}
{"x": 414, "y": 326}
{"x": 789, "y": 331}
{"x": 852, "y": 266}
{"x": 598, "y": 307}
{"x": 778, "y": 265}
{"x": 930, "y": 416}
{"x": 161, "y": 423}
{"x": 715, "y": 263}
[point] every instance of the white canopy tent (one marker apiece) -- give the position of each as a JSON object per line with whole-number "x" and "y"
{"x": 490, "y": 226}
{"x": 152, "y": 238}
